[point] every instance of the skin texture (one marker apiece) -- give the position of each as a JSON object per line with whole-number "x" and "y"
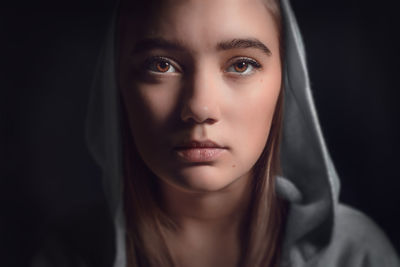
{"x": 201, "y": 96}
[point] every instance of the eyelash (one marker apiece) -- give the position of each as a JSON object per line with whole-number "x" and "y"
{"x": 149, "y": 64}
{"x": 157, "y": 59}
{"x": 249, "y": 61}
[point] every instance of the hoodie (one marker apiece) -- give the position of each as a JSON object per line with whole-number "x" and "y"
{"x": 319, "y": 230}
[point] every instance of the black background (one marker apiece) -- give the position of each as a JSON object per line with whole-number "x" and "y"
{"x": 50, "y": 184}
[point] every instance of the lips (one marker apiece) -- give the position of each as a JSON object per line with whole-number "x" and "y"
{"x": 199, "y": 151}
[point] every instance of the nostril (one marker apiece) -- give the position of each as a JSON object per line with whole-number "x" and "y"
{"x": 200, "y": 108}
{"x": 197, "y": 120}
{"x": 210, "y": 121}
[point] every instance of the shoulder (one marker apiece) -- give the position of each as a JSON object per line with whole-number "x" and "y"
{"x": 74, "y": 249}
{"x": 55, "y": 252}
{"x": 354, "y": 226}
{"x": 357, "y": 241}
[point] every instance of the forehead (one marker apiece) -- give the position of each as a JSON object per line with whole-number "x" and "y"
{"x": 198, "y": 22}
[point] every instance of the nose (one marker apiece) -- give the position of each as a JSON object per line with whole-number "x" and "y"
{"x": 201, "y": 101}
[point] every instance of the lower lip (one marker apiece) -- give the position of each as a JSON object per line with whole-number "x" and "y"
{"x": 199, "y": 154}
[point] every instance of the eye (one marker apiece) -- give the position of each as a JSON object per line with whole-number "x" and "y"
{"x": 160, "y": 65}
{"x": 244, "y": 66}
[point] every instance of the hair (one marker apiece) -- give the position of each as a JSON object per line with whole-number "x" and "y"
{"x": 262, "y": 228}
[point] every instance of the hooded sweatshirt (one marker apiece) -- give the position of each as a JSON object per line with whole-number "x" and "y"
{"x": 319, "y": 230}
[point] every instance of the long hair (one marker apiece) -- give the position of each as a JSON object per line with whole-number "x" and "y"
{"x": 262, "y": 227}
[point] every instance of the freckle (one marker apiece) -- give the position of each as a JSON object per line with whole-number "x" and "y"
{"x": 261, "y": 80}
{"x": 233, "y": 166}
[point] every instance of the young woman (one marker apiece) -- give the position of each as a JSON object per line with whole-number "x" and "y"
{"x": 203, "y": 122}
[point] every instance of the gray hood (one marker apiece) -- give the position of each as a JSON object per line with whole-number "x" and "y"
{"x": 309, "y": 179}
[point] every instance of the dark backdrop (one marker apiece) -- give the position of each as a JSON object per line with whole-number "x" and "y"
{"x": 51, "y": 186}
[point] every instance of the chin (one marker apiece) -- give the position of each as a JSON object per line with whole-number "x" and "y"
{"x": 204, "y": 179}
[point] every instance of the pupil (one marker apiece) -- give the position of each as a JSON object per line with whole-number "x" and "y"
{"x": 241, "y": 66}
{"x": 163, "y": 66}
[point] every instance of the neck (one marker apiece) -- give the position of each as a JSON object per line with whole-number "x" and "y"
{"x": 220, "y": 210}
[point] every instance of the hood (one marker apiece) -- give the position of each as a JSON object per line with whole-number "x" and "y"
{"x": 309, "y": 181}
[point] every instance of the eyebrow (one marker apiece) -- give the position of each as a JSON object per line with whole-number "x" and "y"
{"x": 156, "y": 43}
{"x": 244, "y": 43}
{"x": 161, "y": 43}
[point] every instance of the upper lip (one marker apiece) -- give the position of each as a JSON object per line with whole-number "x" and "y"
{"x": 198, "y": 144}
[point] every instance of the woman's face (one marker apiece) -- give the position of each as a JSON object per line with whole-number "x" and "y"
{"x": 200, "y": 81}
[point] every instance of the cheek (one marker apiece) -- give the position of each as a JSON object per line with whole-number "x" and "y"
{"x": 151, "y": 110}
{"x": 151, "y": 107}
{"x": 251, "y": 114}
